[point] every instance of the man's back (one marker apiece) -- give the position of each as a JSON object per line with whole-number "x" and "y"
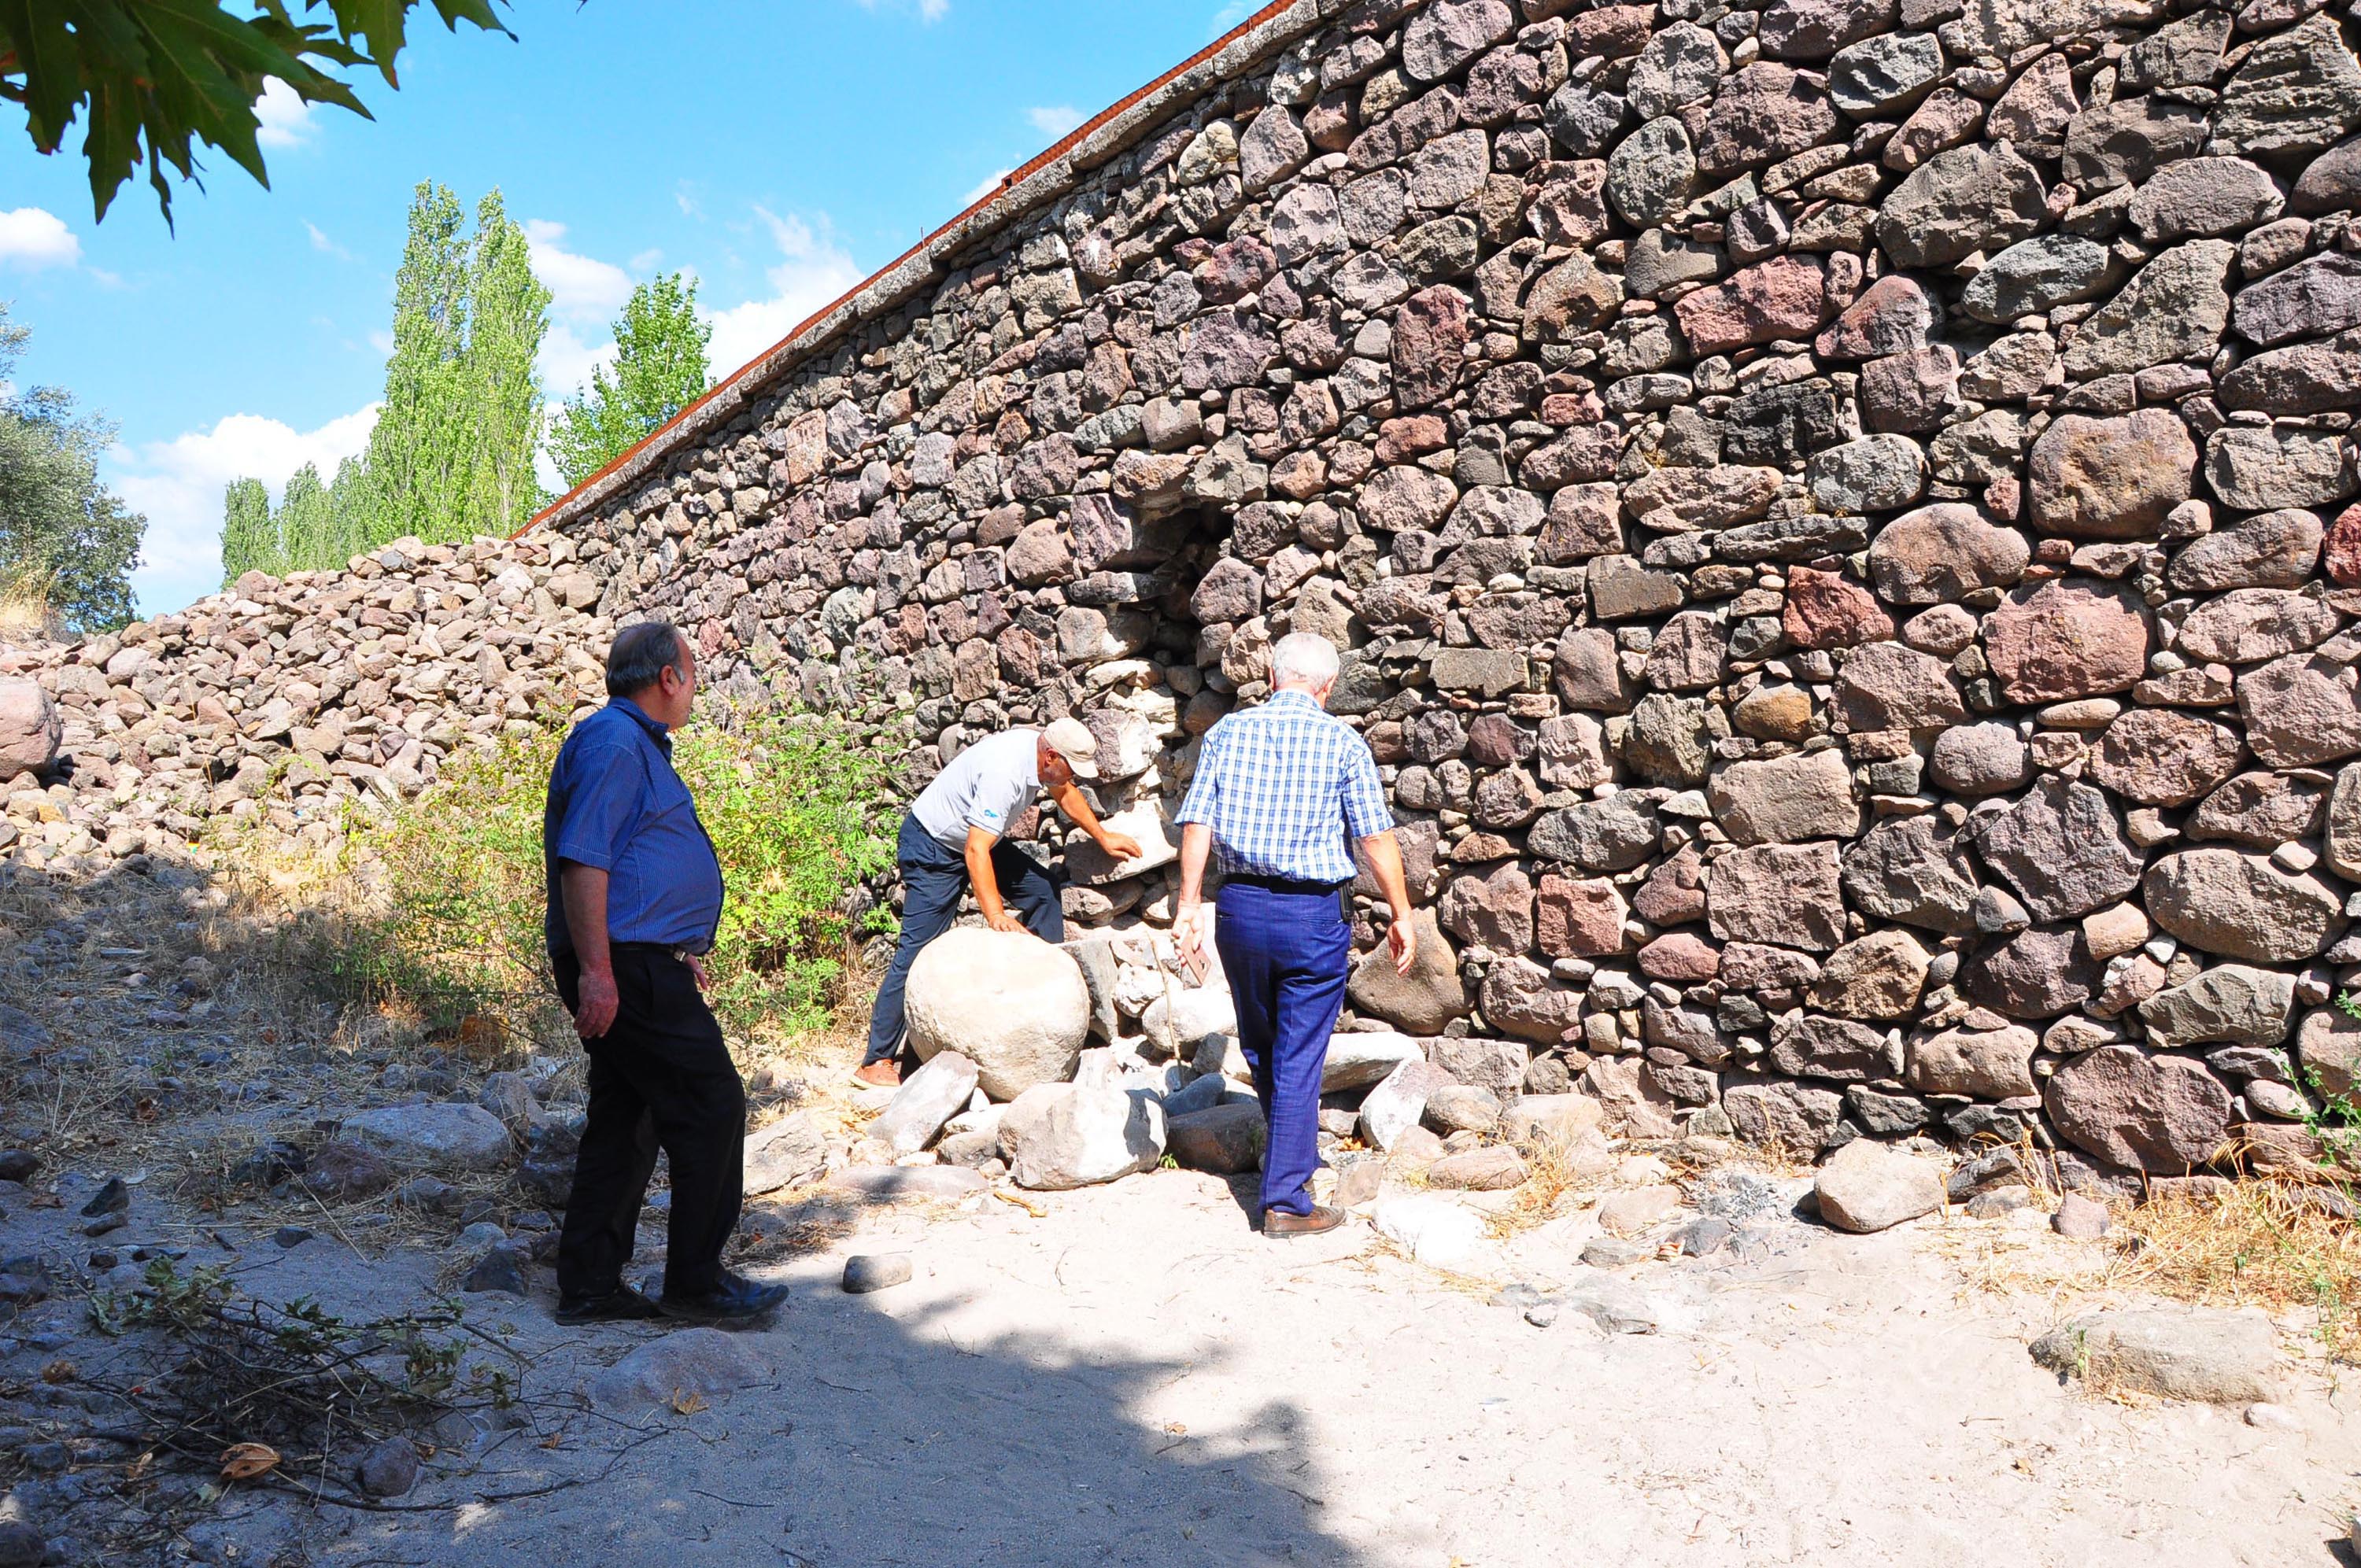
{"x": 1283, "y": 786}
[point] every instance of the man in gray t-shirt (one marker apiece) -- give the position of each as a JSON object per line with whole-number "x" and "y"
{"x": 955, "y": 838}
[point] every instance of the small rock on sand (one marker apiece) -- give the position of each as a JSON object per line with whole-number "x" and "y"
{"x": 704, "y": 1361}
{"x": 21, "y": 1545}
{"x": 390, "y": 1469}
{"x": 788, "y": 1151}
{"x": 875, "y": 1271}
{"x": 1224, "y": 1139}
{"x": 1436, "y": 1230}
{"x": 1629, "y": 1213}
{"x": 928, "y": 1098}
{"x": 2080, "y": 1218}
{"x": 1495, "y": 1169}
{"x": 2222, "y": 1358}
{"x": 1868, "y": 1186}
{"x": 445, "y": 1137}
{"x": 2273, "y": 1418}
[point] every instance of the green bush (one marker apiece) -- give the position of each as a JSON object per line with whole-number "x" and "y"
{"x": 794, "y": 806}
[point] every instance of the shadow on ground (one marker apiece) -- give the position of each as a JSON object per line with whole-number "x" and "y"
{"x": 889, "y": 1439}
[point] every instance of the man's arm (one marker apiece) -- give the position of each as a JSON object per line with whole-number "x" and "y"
{"x": 1188, "y": 908}
{"x": 1384, "y": 854}
{"x": 1071, "y": 800}
{"x": 978, "y": 855}
{"x": 584, "y": 890}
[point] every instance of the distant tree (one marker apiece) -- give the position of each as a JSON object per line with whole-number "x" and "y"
{"x": 249, "y": 541}
{"x": 660, "y": 369}
{"x": 509, "y": 316}
{"x": 313, "y": 536}
{"x": 64, "y": 535}
{"x": 452, "y": 452}
{"x": 154, "y": 75}
{"x": 417, "y": 459}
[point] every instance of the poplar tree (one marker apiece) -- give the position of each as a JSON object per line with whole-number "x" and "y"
{"x": 418, "y": 454}
{"x": 312, "y": 537}
{"x": 510, "y": 315}
{"x": 249, "y": 541}
{"x": 660, "y": 369}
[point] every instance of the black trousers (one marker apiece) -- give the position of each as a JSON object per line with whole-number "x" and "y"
{"x": 661, "y": 1078}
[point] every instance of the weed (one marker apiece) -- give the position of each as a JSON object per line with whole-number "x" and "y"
{"x": 2269, "y": 1245}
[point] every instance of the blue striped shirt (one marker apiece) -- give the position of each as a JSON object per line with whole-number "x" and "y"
{"x": 1283, "y": 786}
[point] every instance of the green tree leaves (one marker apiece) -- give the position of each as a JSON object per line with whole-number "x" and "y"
{"x": 452, "y": 453}
{"x": 153, "y": 76}
{"x": 659, "y": 370}
{"x": 63, "y": 536}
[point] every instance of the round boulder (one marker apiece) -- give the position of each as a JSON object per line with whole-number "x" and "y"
{"x": 30, "y": 730}
{"x": 1007, "y": 1001}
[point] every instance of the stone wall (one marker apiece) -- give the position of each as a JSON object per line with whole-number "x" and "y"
{"x": 1834, "y": 511}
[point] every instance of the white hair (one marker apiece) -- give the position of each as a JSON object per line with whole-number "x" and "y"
{"x": 1300, "y": 658}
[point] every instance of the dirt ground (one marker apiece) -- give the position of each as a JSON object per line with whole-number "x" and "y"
{"x": 1129, "y": 1375}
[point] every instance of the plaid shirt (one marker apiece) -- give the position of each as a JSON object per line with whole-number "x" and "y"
{"x": 1282, "y": 787}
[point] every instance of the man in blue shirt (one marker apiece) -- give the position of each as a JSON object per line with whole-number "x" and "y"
{"x": 1278, "y": 791}
{"x": 634, "y": 898}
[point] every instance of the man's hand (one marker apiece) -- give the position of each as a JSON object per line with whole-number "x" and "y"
{"x": 599, "y": 1002}
{"x": 1001, "y": 920}
{"x": 1189, "y": 928}
{"x": 696, "y": 968}
{"x": 1120, "y": 846}
{"x": 1402, "y": 941}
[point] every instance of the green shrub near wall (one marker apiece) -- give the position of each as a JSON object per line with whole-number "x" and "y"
{"x": 796, "y": 808}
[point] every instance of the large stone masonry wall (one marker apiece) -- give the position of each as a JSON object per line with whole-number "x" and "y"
{"x": 1836, "y": 513}
{"x": 1826, "y": 504}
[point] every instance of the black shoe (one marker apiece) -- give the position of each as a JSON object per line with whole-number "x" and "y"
{"x": 734, "y": 1300}
{"x": 621, "y": 1305}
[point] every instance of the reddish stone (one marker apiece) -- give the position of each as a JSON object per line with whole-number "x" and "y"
{"x": 1413, "y": 436}
{"x": 1674, "y": 893}
{"x": 2340, "y": 555}
{"x": 1430, "y": 342}
{"x": 2066, "y": 638}
{"x": 1784, "y": 298}
{"x": 1580, "y": 919}
{"x": 1910, "y": 392}
{"x": 1824, "y": 610}
{"x": 1682, "y": 959}
{"x": 1892, "y": 317}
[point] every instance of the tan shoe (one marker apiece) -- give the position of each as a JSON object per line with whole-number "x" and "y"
{"x": 1279, "y": 1223}
{"x": 878, "y": 1075}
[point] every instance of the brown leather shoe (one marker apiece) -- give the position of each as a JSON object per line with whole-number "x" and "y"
{"x": 878, "y": 1075}
{"x": 1322, "y": 1220}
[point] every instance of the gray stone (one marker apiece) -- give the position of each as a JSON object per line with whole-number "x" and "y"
{"x": 31, "y": 729}
{"x": 2311, "y": 298}
{"x": 1942, "y": 553}
{"x": 1911, "y": 870}
{"x": 1057, "y": 1136}
{"x": 2241, "y": 906}
{"x": 2175, "y": 308}
{"x": 433, "y": 1136}
{"x": 2328, "y": 1047}
{"x": 1224, "y": 1139}
{"x": 867, "y": 1272}
{"x": 1868, "y": 1186}
{"x": 1786, "y": 800}
{"x": 927, "y": 1098}
{"x": 788, "y": 1152}
{"x": 1984, "y": 1063}
{"x": 1397, "y": 1104}
{"x": 1884, "y": 75}
{"x": 2277, "y": 549}
{"x": 1008, "y": 1001}
{"x": 1784, "y": 894}
{"x": 2202, "y": 196}
{"x": 2037, "y": 275}
{"x": 1876, "y": 473}
{"x": 707, "y": 1363}
{"x": 387, "y": 1468}
{"x": 1652, "y": 174}
{"x": 2172, "y": 1352}
{"x": 2296, "y": 92}
{"x": 2232, "y": 1002}
{"x": 1959, "y": 202}
{"x": 1680, "y": 64}
{"x": 2259, "y": 469}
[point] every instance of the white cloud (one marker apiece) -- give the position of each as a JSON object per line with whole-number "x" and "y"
{"x": 579, "y": 286}
{"x": 179, "y": 484}
{"x": 990, "y": 183}
{"x": 928, "y": 10}
{"x": 812, "y": 271}
{"x": 323, "y": 243}
{"x": 382, "y": 341}
{"x": 286, "y": 118}
{"x": 646, "y": 260}
{"x": 33, "y": 238}
{"x": 567, "y": 361}
{"x": 1057, "y": 120}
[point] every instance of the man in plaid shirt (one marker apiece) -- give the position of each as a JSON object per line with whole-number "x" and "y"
{"x": 1279, "y": 789}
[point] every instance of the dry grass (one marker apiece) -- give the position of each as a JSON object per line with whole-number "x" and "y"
{"x": 2262, "y": 1244}
{"x": 27, "y": 614}
{"x": 1550, "y": 1178}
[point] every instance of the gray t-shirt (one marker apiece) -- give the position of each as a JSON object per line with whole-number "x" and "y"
{"x": 989, "y": 785}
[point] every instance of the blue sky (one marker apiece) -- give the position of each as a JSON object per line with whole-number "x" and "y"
{"x": 781, "y": 151}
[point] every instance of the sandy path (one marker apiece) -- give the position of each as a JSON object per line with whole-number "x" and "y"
{"x": 1137, "y": 1380}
